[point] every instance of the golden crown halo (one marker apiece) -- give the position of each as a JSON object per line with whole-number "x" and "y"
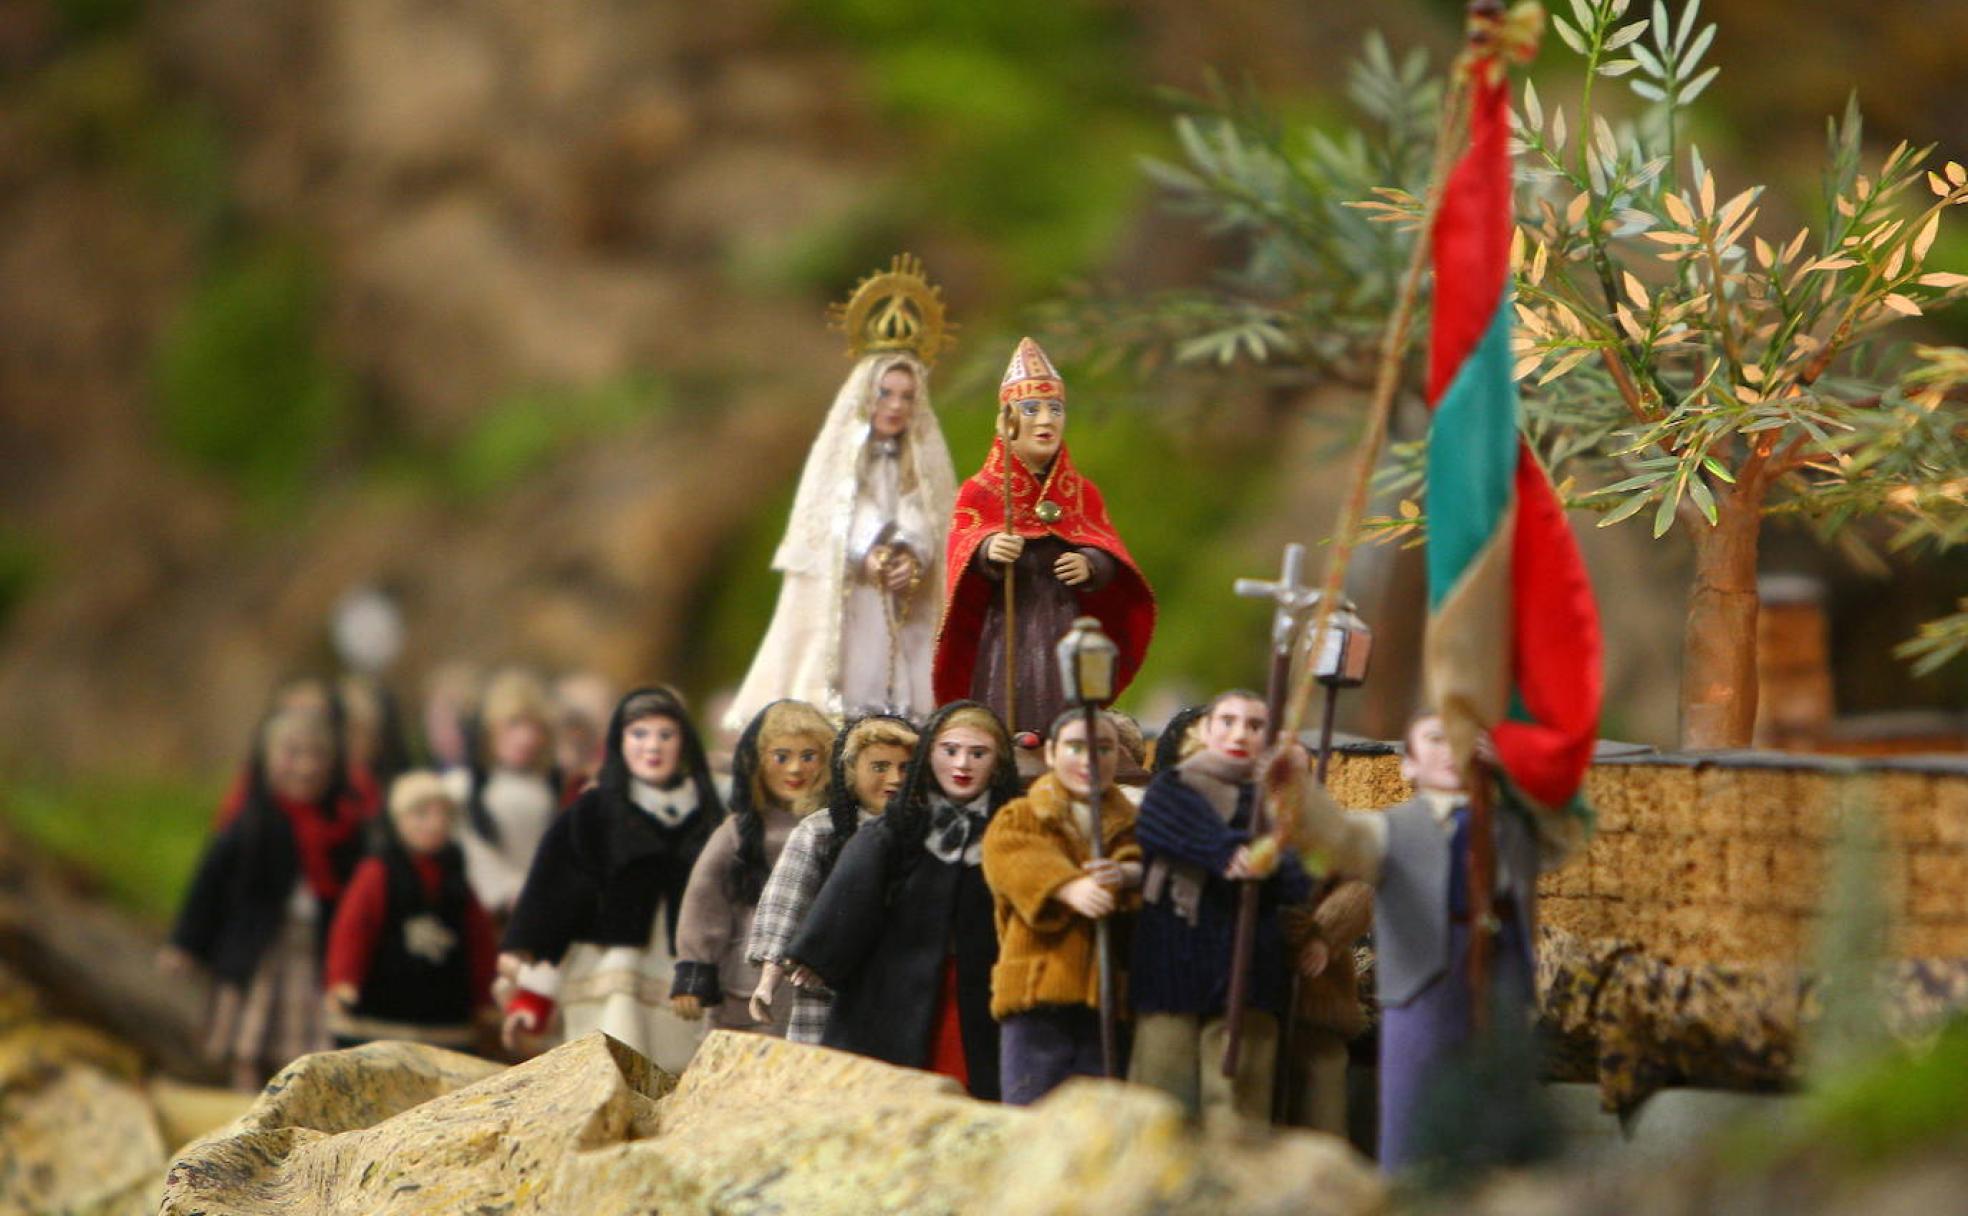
{"x": 895, "y": 309}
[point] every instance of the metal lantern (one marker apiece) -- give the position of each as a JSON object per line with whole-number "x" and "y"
{"x": 1344, "y": 647}
{"x": 1087, "y": 661}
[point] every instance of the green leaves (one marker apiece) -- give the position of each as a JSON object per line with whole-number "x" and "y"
{"x": 1938, "y": 643}
{"x": 1671, "y": 72}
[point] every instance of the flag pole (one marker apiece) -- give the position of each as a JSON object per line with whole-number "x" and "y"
{"x": 1387, "y": 381}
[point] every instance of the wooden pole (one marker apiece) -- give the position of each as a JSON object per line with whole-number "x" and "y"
{"x": 1007, "y": 431}
{"x": 1245, "y": 940}
{"x": 1387, "y": 380}
{"x": 1103, "y": 943}
{"x": 1482, "y": 887}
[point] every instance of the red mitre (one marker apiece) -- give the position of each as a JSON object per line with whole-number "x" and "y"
{"x": 1125, "y": 607}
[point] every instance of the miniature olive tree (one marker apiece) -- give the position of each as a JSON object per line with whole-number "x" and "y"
{"x": 1678, "y": 363}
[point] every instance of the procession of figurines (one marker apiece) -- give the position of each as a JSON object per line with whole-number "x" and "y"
{"x": 931, "y": 843}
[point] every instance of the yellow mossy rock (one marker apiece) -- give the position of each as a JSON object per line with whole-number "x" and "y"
{"x": 75, "y": 1135}
{"x": 755, "y": 1125}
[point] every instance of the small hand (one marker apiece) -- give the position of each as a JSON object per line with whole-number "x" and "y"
{"x": 175, "y": 962}
{"x": 901, "y": 571}
{"x": 805, "y": 977}
{"x": 1486, "y": 751}
{"x": 768, "y": 987}
{"x": 1004, "y": 548}
{"x": 342, "y": 998}
{"x": 1073, "y": 569}
{"x": 1313, "y": 957}
{"x": 687, "y": 1007}
{"x": 1087, "y": 897}
{"x": 519, "y": 1026}
{"x": 873, "y": 566}
{"x": 1284, "y": 768}
{"x": 1107, "y": 872}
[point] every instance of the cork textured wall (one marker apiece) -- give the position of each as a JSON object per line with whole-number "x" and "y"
{"x": 1722, "y": 859}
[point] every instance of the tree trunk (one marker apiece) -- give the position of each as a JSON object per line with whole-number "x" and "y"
{"x": 1718, "y": 671}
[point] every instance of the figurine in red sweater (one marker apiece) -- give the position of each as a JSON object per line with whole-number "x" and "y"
{"x": 412, "y": 951}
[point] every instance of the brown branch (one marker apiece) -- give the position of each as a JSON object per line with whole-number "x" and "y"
{"x": 1788, "y": 460}
{"x": 1629, "y": 392}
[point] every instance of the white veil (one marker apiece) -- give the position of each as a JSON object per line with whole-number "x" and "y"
{"x": 800, "y": 656}
{"x": 816, "y": 532}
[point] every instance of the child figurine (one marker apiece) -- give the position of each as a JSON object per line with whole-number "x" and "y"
{"x": 264, "y": 894}
{"x": 1416, "y": 856}
{"x": 1058, "y": 547}
{"x": 862, "y": 554}
{"x": 902, "y": 931}
{"x": 1194, "y": 830}
{"x": 411, "y": 951}
{"x": 511, "y": 799}
{"x": 778, "y": 776}
{"x": 1048, "y": 892}
{"x": 585, "y": 928}
{"x": 869, "y": 760}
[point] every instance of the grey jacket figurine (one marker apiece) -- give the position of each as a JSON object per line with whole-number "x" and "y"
{"x": 1411, "y": 909}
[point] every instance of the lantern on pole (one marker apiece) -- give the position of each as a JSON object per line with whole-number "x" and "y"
{"x": 1087, "y": 662}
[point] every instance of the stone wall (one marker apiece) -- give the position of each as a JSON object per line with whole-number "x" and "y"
{"x": 1721, "y": 858}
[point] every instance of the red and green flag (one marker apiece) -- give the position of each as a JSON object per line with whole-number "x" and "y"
{"x": 1513, "y": 633}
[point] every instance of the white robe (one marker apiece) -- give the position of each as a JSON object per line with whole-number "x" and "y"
{"x": 829, "y": 643}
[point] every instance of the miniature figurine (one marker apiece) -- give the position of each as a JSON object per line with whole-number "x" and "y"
{"x": 263, "y": 896}
{"x": 583, "y": 703}
{"x": 1030, "y": 539}
{"x": 869, "y": 760}
{"x": 411, "y": 950}
{"x": 1048, "y": 893}
{"x": 1194, "y": 829}
{"x": 902, "y": 930}
{"x": 1329, "y": 1014}
{"x": 778, "y": 776}
{"x": 452, "y": 693}
{"x": 862, "y": 555}
{"x": 372, "y": 739}
{"x": 1131, "y": 771}
{"x": 585, "y": 929}
{"x": 513, "y": 796}
{"x": 1415, "y": 856}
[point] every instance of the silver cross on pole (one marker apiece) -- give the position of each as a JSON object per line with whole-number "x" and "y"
{"x": 1289, "y": 593}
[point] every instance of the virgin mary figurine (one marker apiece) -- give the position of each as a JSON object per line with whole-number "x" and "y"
{"x": 862, "y": 559}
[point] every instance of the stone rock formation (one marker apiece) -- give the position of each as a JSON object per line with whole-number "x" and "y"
{"x": 754, "y": 1125}
{"x": 76, "y": 1134}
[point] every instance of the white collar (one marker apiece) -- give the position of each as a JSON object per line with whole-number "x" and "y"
{"x": 1442, "y": 804}
{"x": 667, "y": 807}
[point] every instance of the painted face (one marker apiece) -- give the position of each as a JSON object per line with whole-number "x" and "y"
{"x": 790, "y": 767}
{"x": 1235, "y": 728}
{"x": 961, "y": 760}
{"x": 519, "y": 744}
{"x": 1041, "y": 429}
{"x": 877, "y": 773}
{"x": 895, "y": 402}
{"x": 299, "y": 765}
{"x": 1429, "y": 763}
{"x": 425, "y": 827}
{"x": 1066, "y": 755}
{"x": 652, "y": 748}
